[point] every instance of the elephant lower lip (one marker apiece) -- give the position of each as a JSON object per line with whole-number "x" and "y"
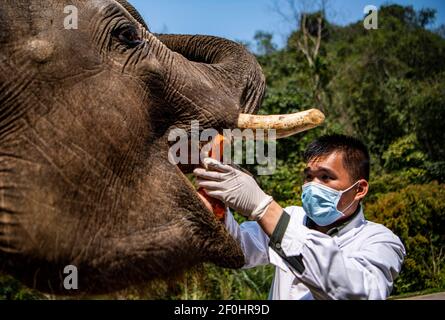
{"x": 215, "y": 208}
{"x": 220, "y": 247}
{"x": 187, "y": 171}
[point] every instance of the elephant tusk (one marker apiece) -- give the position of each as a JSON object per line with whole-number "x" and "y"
{"x": 285, "y": 125}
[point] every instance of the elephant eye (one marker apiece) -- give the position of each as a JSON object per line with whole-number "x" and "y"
{"x": 129, "y": 36}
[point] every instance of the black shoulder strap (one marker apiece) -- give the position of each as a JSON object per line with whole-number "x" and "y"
{"x": 276, "y": 240}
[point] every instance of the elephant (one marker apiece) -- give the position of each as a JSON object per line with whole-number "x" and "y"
{"x": 84, "y": 119}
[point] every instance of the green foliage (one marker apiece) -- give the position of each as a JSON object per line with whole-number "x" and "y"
{"x": 11, "y": 289}
{"x": 285, "y": 184}
{"x": 407, "y": 15}
{"x": 388, "y": 84}
{"x": 428, "y": 109}
{"x": 207, "y": 282}
{"x": 417, "y": 214}
{"x": 404, "y": 153}
{"x": 224, "y": 284}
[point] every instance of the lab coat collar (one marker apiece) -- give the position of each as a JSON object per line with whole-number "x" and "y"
{"x": 355, "y": 221}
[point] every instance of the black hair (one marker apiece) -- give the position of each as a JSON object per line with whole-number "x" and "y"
{"x": 356, "y": 159}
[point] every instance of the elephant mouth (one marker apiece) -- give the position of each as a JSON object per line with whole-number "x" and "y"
{"x": 283, "y": 126}
{"x": 230, "y": 252}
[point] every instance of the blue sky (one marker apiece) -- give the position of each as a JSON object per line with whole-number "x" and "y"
{"x": 240, "y": 19}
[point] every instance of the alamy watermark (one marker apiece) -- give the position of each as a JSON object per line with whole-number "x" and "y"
{"x": 251, "y": 147}
{"x": 371, "y": 21}
{"x": 71, "y": 281}
{"x": 71, "y": 21}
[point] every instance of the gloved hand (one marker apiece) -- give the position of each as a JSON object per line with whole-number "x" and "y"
{"x": 235, "y": 188}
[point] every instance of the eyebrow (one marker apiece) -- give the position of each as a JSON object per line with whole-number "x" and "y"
{"x": 321, "y": 169}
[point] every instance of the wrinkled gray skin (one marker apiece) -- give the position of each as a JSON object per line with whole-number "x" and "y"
{"x": 84, "y": 119}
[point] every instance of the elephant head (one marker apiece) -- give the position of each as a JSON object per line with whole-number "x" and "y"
{"x": 84, "y": 118}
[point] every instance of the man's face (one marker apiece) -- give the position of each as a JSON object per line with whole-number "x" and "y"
{"x": 330, "y": 171}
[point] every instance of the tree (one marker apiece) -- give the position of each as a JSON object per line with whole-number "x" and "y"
{"x": 308, "y": 39}
{"x": 264, "y": 43}
{"x": 425, "y": 17}
{"x": 441, "y": 31}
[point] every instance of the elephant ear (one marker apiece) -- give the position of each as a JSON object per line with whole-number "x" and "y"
{"x": 132, "y": 10}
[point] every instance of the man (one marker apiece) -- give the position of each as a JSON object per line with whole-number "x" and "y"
{"x": 325, "y": 250}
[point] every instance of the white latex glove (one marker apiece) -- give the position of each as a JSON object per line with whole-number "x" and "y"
{"x": 235, "y": 188}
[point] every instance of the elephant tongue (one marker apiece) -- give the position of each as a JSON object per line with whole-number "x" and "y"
{"x": 217, "y": 152}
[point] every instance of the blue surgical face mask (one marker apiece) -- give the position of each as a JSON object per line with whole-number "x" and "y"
{"x": 321, "y": 203}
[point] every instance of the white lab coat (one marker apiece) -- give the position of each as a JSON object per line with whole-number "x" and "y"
{"x": 360, "y": 261}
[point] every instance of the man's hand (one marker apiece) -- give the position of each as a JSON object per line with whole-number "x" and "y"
{"x": 236, "y": 189}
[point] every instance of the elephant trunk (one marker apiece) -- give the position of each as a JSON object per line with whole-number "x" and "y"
{"x": 235, "y": 71}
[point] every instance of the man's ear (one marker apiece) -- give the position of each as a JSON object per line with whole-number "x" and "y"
{"x": 362, "y": 189}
